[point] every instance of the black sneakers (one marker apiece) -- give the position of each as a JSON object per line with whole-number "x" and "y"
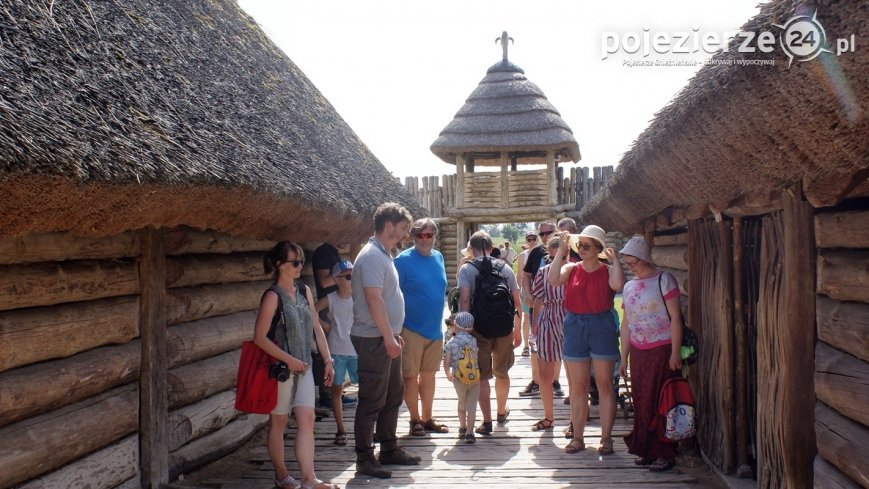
{"x": 557, "y": 391}
{"x": 531, "y": 389}
{"x": 370, "y": 466}
{"x": 398, "y": 457}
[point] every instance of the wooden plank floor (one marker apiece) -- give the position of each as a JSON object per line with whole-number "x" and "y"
{"x": 513, "y": 457}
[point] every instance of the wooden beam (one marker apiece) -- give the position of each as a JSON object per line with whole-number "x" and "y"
{"x": 740, "y": 340}
{"x": 844, "y": 325}
{"x": 215, "y": 445}
{"x": 44, "y": 247}
{"x": 505, "y": 197}
{"x": 46, "y": 284}
{"x": 190, "y": 270}
{"x": 153, "y": 387}
{"x": 24, "y": 392}
{"x": 829, "y": 188}
{"x": 671, "y": 256}
{"x": 199, "y": 419}
{"x": 196, "y": 381}
{"x": 843, "y": 443}
{"x": 194, "y": 303}
{"x": 842, "y": 382}
{"x": 844, "y": 275}
{"x": 842, "y": 229}
{"x": 671, "y": 240}
{"x": 827, "y": 476}
{"x": 49, "y": 441}
{"x": 551, "y": 175}
{"x": 29, "y": 335}
{"x": 108, "y": 467}
{"x": 205, "y": 338}
{"x": 460, "y": 180}
{"x": 184, "y": 240}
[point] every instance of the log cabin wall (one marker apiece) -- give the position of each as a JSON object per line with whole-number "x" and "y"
{"x": 72, "y": 361}
{"x": 842, "y": 350}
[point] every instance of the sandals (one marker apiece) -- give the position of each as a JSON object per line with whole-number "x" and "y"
{"x": 287, "y": 483}
{"x": 542, "y": 425}
{"x": 662, "y": 464}
{"x": 502, "y": 418}
{"x": 642, "y": 461}
{"x": 434, "y": 427}
{"x": 606, "y": 446}
{"x": 318, "y": 484}
{"x": 340, "y": 439}
{"x": 416, "y": 428}
{"x": 574, "y": 446}
{"x": 568, "y": 432}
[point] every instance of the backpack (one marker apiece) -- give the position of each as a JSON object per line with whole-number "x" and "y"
{"x": 492, "y": 303}
{"x": 674, "y": 420}
{"x": 467, "y": 368}
{"x": 690, "y": 343}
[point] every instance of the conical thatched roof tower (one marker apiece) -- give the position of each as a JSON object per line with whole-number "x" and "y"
{"x": 505, "y": 122}
{"x": 506, "y": 112}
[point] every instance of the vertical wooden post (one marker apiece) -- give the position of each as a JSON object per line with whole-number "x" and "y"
{"x": 797, "y": 340}
{"x": 550, "y": 178}
{"x": 153, "y": 386}
{"x": 461, "y": 238}
{"x": 460, "y": 180}
{"x": 505, "y": 187}
{"x": 740, "y": 339}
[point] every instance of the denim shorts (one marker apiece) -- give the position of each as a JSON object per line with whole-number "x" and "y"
{"x": 345, "y": 365}
{"x": 592, "y": 336}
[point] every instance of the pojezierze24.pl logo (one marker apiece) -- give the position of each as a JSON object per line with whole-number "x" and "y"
{"x": 802, "y": 38}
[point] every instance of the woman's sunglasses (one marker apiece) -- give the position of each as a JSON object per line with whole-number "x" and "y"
{"x": 584, "y": 246}
{"x": 296, "y": 263}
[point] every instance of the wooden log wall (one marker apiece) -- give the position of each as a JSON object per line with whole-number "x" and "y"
{"x": 842, "y": 352}
{"x": 526, "y": 188}
{"x": 73, "y": 386}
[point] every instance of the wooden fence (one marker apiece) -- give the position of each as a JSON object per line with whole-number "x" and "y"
{"x": 438, "y": 194}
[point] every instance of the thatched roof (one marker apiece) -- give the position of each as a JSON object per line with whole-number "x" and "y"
{"x": 121, "y": 115}
{"x": 740, "y": 130}
{"x": 506, "y": 112}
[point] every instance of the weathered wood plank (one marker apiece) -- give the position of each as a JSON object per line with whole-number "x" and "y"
{"x": 195, "y": 381}
{"x": 680, "y": 239}
{"x": 843, "y": 443}
{"x": 189, "y": 270}
{"x": 25, "y": 393}
{"x": 842, "y": 229}
{"x": 194, "y": 303}
{"x": 45, "y": 284}
{"x": 47, "y": 247}
{"x": 844, "y": 325}
{"x": 44, "y": 443}
{"x": 42, "y": 333}
{"x": 199, "y": 419}
{"x": 104, "y": 469}
{"x": 153, "y": 387}
{"x": 202, "y": 339}
{"x": 828, "y": 476}
{"x": 844, "y": 275}
{"x": 181, "y": 241}
{"x": 671, "y": 257}
{"x": 842, "y": 382}
{"x": 215, "y": 445}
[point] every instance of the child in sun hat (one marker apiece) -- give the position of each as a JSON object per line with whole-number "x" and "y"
{"x": 462, "y": 369}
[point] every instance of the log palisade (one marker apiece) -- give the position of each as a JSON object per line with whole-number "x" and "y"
{"x": 73, "y": 316}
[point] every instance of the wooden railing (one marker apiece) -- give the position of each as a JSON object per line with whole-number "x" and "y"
{"x": 523, "y": 188}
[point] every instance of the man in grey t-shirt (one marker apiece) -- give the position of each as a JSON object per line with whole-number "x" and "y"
{"x": 378, "y": 314}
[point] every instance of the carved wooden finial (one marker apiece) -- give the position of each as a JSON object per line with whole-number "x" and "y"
{"x": 503, "y": 39}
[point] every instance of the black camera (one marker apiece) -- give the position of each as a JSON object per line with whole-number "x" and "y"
{"x": 280, "y": 371}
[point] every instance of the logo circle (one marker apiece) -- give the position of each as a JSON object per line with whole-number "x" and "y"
{"x": 803, "y": 38}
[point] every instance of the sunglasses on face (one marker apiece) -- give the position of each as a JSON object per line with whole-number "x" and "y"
{"x": 584, "y": 246}
{"x": 546, "y": 233}
{"x": 425, "y": 235}
{"x": 296, "y": 263}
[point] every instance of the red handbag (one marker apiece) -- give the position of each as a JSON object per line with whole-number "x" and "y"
{"x": 255, "y": 391}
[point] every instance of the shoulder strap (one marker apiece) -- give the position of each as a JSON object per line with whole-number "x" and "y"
{"x": 661, "y": 291}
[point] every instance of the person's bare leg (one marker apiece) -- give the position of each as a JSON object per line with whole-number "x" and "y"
{"x": 546, "y": 372}
{"x": 578, "y": 391}
{"x": 275, "y": 444}
{"x": 603, "y": 375}
{"x": 485, "y": 400}
{"x": 338, "y": 407}
{"x": 411, "y": 397}
{"x": 426, "y": 394}
{"x": 502, "y": 389}
{"x": 303, "y": 445}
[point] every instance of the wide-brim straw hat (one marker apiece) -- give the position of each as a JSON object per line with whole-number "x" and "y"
{"x": 593, "y": 232}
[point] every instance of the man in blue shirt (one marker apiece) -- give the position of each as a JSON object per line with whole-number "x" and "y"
{"x": 423, "y": 281}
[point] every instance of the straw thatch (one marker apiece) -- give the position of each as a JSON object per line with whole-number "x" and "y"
{"x": 121, "y": 115}
{"x": 506, "y": 112}
{"x": 737, "y": 130}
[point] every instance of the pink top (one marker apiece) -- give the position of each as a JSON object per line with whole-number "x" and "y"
{"x": 588, "y": 293}
{"x": 646, "y": 312}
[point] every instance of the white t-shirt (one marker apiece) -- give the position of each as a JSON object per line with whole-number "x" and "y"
{"x": 341, "y": 312}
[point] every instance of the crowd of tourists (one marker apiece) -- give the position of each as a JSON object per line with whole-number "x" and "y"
{"x": 379, "y": 322}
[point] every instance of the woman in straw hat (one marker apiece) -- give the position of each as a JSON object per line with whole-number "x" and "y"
{"x": 651, "y": 340}
{"x": 591, "y": 337}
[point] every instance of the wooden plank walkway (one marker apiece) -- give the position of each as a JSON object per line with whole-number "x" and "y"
{"x": 513, "y": 457}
